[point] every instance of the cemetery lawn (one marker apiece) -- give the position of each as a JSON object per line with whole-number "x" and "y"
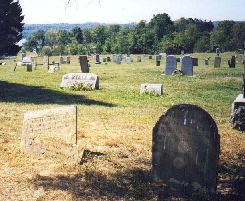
{"x": 115, "y": 125}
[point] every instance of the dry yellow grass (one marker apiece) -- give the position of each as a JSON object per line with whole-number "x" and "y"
{"x": 115, "y": 123}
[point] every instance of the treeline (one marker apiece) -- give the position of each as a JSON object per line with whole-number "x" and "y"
{"x": 161, "y": 34}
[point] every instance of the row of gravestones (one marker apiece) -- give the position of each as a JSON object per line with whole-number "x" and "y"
{"x": 185, "y": 144}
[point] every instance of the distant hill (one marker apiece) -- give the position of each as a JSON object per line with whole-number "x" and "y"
{"x": 30, "y": 28}
{"x": 216, "y": 23}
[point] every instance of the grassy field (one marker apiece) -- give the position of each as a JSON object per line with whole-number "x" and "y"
{"x": 115, "y": 124}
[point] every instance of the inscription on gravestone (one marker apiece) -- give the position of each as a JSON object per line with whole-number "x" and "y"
{"x": 51, "y": 133}
{"x": 186, "y": 65}
{"x": 171, "y": 65}
{"x": 185, "y": 150}
{"x": 72, "y": 80}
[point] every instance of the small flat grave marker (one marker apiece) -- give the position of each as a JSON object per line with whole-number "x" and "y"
{"x": 156, "y": 89}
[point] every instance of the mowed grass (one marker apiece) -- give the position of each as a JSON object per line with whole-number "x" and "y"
{"x": 115, "y": 125}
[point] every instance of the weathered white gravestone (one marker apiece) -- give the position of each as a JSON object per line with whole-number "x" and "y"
{"x": 171, "y": 65}
{"x": 53, "y": 69}
{"x": 187, "y": 66}
{"x": 128, "y": 60}
{"x": 52, "y": 133}
{"x": 156, "y": 89}
{"x": 80, "y": 81}
{"x": 185, "y": 150}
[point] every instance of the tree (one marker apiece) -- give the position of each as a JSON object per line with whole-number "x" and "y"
{"x": 77, "y": 33}
{"x": 35, "y": 41}
{"x": 11, "y": 26}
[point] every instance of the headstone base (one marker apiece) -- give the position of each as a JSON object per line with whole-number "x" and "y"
{"x": 238, "y": 113}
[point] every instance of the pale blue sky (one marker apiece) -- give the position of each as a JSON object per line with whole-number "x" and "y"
{"x": 124, "y": 11}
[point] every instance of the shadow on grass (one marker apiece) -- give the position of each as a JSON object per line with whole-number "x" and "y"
{"x": 133, "y": 184}
{"x": 19, "y": 93}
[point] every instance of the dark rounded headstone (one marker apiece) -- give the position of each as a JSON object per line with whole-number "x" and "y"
{"x": 185, "y": 150}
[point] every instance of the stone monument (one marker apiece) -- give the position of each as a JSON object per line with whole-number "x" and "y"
{"x": 217, "y": 62}
{"x": 185, "y": 150}
{"x": 171, "y": 65}
{"x": 156, "y": 89}
{"x": 83, "y": 61}
{"x": 52, "y": 133}
{"x": 186, "y": 65}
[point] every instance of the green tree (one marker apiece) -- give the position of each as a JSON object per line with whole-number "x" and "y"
{"x": 77, "y": 33}
{"x": 11, "y": 26}
{"x": 35, "y": 41}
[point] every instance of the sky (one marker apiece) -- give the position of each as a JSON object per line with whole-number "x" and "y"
{"x": 126, "y": 11}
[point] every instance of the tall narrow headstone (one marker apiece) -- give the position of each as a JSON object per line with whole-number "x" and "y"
{"x": 83, "y": 60}
{"x": 158, "y": 60}
{"x": 68, "y": 59}
{"x": 97, "y": 59}
{"x": 217, "y": 51}
{"x": 171, "y": 65}
{"x": 185, "y": 150}
{"x": 46, "y": 61}
{"x": 62, "y": 60}
{"x": 232, "y": 62}
{"x": 217, "y": 62}
{"x": 186, "y": 65}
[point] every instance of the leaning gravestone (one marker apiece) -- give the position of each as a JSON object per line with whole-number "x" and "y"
{"x": 186, "y": 65}
{"x": 83, "y": 61}
{"x": 185, "y": 150}
{"x": 156, "y": 89}
{"x": 52, "y": 133}
{"x": 171, "y": 65}
{"x": 217, "y": 62}
{"x": 46, "y": 62}
{"x": 80, "y": 81}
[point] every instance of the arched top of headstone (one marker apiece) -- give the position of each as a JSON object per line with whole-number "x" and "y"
{"x": 184, "y": 113}
{"x": 171, "y": 57}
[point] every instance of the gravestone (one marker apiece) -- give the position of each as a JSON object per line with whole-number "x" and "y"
{"x": 195, "y": 61}
{"x": 29, "y": 67}
{"x": 217, "y": 62}
{"x": 186, "y": 65}
{"x": 23, "y": 55}
{"x": 138, "y": 58}
{"x": 108, "y": 59}
{"x": 185, "y": 150}
{"x": 128, "y": 60}
{"x": 171, "y": 65}
{"x": 104, "y": 60}
{"x": 83, "y": 61}
{"x": 158, "y": 60}
{"x": 218, "y": 51}
{"x": 80, "y": 81}
{"x": 156, "y": 89}
{"x": 238, "y": 113}
{"x": 206, "y": 61}
{"x": 34, "y": 62}
{"x": 52, "y": 133}
{"x": 182, "y": 52}
{"x": 150, "y": 57}
{"x": 97, "y": 59}
{"x": 232, "y": 62}
{"x": 53, "y": 68}
{"x": 118, "y": 59}
{"x": 62, "y": 60}
{"x": 68, "y": 59}
{"x": 46, "y": 62}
